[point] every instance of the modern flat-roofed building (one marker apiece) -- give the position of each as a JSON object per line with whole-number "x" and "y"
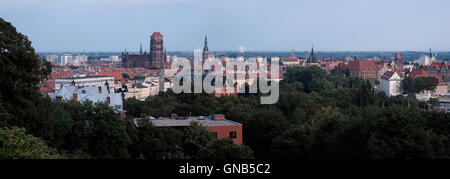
{"x": 216, "y": 123}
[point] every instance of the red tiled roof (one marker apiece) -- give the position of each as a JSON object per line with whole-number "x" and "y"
{"x": 361, "y": 65}
{"x": 387, "y": 75}
{"x": 131, "y": 74}
{"x": 290, "y": 59}
{"x": 116, "y": 75}
{"x": 420, "y": 72}
{"x": 61, "y": 74}
{"x": 46, "y": 90}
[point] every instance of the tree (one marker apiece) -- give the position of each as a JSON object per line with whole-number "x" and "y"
{"x": 426, "y": 83}
{"x": 16, "y": 144}
{"x": 419, "y": 84}
{"x": 63, "y": 126}
{"x": 226, "y": 149}
{"x": 407, "y": 85}
{"x": 107, "y": 133}
{"x": 156, "y": 143}
{"x": 400, "y": 133}
{"x": 20, "y": 72}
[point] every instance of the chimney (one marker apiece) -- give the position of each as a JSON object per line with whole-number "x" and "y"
{"x": 174, "y": 116}
{"x": 108, "y": 100}
{"x": 75, "y": 97}
{"x": 100, "y": 89}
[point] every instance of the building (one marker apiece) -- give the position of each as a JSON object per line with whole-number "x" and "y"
{"x": 391, "y": 83}
{"x": 66, "y": 59}
{"x": 79, "y": 59}
{"x": 291, "y": 61}
{"x": 399, "y": 60}
{"x": 90, "y": 93}
{"x": 135, "y": 60}
{"x": 156, "y": 58}
{"x": 85, "y": 81}
{"x": 205, "y": 54}
{"x": 441, "y": 69}
{"x": 312, "y": 59}
{"x": 138, "y": 91}
{"x": 366, "y": 69}
{"x": 157, "y": 51}
{"x": 441, "y": 88}
{"x": 52, "y": 58}
{"x": 427, "y": 59}
{"x": 216, "y": 123}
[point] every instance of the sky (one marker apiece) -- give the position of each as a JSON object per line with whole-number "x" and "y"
{"x": 257, "y": 25}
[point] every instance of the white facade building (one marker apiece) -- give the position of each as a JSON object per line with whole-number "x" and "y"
{"x": 79, "y": 59}
{"x": 66, "y": 59}
{"x": 426, "y": 59}
{"x": 51, "y": 58}
{"x": 85, "y": 81}
{"x": 391, "y": 83}
{"x": 89, "y": 93}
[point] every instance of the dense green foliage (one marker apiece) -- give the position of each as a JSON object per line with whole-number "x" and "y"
{"x": 420, "y": 84}
{"x": 16, "y": 144}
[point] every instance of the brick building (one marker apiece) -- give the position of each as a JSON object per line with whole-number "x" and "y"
{"x": 216, "y": 123}
{"x": 366, "y": 69}
{"x": 156, "y": 58}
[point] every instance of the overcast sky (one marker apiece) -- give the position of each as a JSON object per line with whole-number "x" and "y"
{"x": 259, "y": 25}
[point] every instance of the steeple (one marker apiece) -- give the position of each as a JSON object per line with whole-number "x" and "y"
{"x": 140, "y": 49}
{"x": 205, "y": 48}
{"x": 431, "y": 55}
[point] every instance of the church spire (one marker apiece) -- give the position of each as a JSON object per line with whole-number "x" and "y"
{"x": 205, "y": 48}
{"x": 140, "y": 49}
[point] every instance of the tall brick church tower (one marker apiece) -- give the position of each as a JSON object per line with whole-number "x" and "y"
{"x": 157, "y": 57}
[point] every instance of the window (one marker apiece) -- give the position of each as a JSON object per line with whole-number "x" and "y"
{"x": 233, "y": 134}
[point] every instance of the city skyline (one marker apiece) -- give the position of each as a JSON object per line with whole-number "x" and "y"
{"x": 348, "y": 25}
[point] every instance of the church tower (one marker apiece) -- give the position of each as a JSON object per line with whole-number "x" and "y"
{"x": 156, "y": 51}
{"x": 312, "y": 58}
{"x": 205, "y": 50}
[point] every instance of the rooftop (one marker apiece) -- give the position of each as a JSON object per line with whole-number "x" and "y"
{"x": 186, "y": 121}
